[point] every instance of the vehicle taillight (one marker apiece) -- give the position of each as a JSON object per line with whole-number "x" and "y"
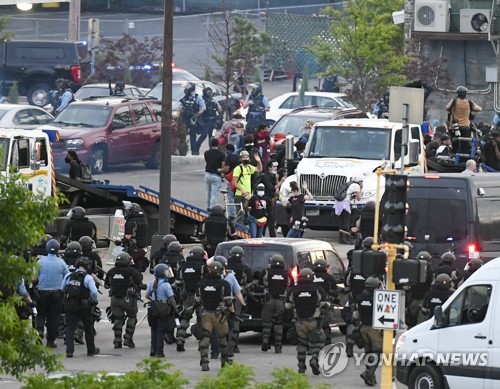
{"x": 295, "y": 274}
{"x": 76, "y": 73}
{"x": 473, "y": 252}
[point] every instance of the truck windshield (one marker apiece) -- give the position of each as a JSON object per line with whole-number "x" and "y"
{"x": 290, "y": 124}
{"x": 350, "y": 142}
{"x": 4, "y": 148}
{"x": 84, "y": 115}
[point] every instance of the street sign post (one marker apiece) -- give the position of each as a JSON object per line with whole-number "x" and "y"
{"x": 386, "y": 309}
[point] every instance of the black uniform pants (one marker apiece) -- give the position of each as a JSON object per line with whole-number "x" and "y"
{"x": 49, "y": 307}
{"x": 121, "y": 307}
{"x": 73, "y": 314}
{"x": 159, "y": 327}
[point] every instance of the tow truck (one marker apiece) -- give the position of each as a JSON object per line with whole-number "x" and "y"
{"x": 29, "y": 153}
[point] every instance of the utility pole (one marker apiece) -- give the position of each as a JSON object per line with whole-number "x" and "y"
{"x": 74, "y": 20}
{"x": 166, "y": 121}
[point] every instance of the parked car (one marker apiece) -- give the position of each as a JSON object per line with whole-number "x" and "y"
{"x": 35, "y": 65}
{"x": 110, "y": 131}
{"x": 290, "y": 101}
{"x": 23, "y": 116}
{"x": 298, "y": 254}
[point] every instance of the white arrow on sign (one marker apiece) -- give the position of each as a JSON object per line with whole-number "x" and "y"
{"x": 386, "y": 309}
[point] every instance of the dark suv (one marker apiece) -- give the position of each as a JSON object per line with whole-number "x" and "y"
{"x": 109, "y": 131}
{"x": 35, "y": 65}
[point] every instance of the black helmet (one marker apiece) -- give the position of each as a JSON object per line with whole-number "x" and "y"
{"x": 59, "y": 83}
{"x": 160, "y": 270}
{"x": 197, "y": 251}
{"x": 167, "y": 239}
{"x": 131, "y": 209}
{"x": 277, "y": 261}
{"x": 189, "y": 87}
{"x": 368, "y": 242}
{"x": 119, "y": 86}
{"x": 83, "y": 262}
{"x": 462, "y": 92}
{"x": 443, "y": 281}
{"x": 77, "y": 213}
{"x": 87, "y": 243}
{"x": 175, "y": 247}
{"x": 217, "y": 209}
{"x": 215, "y": 267}
{"x": 321, "y": 264}
{"x": 475, "y": 264}
{"x": 372, "y": 282}
{"x": 207, "y": 92}
{"x": 424, "y": 255}
{"x": 306, "y": 274}
{"x": 222, "y": 260}
{"x": 73, "y": 249}
{"x": 256, "y": 88}
{"x": 52, "y": 246}
{"x": 237, "y": 251}
{"x": 123, "y": 259}
{"x": 448, "y": 257}
{"x": 44, "y": 239}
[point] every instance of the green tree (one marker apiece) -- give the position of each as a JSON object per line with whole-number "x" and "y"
{"x": 364, "y": 47}
{"x": 13, "y": 94}
{"x": 236, "y": 46}
{"x": 5, "y": 34}
{"x": 24, "y": 216}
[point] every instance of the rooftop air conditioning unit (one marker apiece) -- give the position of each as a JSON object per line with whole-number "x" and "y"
{"x": 476, "y": 21}
{"x": 432, "y": 16}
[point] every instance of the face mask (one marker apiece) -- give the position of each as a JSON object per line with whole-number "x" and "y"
{"x": 66, "y": 160}
{"x": 245, "y": 161}
{"x": 260, "y": 193}
{"x": 274, "y": 171}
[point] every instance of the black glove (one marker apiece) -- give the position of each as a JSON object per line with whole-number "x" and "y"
{"x": 118, "y": 242}
{"x": 143, "y": 286}
{"x": 32, "y": 305}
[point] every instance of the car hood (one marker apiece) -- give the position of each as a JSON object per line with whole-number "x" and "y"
{"x": 67, "y": 132}
{"x": 337, "y": 166}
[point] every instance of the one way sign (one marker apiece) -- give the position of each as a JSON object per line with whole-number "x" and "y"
{"x": 386, "y": 309}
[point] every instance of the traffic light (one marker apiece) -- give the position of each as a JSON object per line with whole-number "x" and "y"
{"x": 368, "y": 262}
{"x": 409, "y": 271}
{"x": 393, "y": 229}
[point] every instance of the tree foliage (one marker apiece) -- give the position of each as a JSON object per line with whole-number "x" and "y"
{"x": 364, "y": 47}
{"x": 24, "y": 216}
{"x": 125, "y": 59}
{"x": 5, "y": 34}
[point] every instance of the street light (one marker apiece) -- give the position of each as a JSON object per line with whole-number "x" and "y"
{"x": 24, "y": 6}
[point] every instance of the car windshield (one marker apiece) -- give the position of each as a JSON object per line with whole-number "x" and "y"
{"x": 290, "y": 124}
{"x": 177, "y": 93}
{"x": 3, "y": 112}
{"x": 350, "y": 142}
{"x": 345, "y": 102}
{"x": 84, "y": 115}
{"x": 91, "y": 91}
{"x": 183, "y": 75}
{"x": 4, "y": 148}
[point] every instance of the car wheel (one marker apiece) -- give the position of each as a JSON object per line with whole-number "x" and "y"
{"x": 38, "y": 94}
{"x": 99, "y": 162}
{"x": 155, "y": 160}
{"x": 284, "y": 229}
{"x": 425, "y": 377}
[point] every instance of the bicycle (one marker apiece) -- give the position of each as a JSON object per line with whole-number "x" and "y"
{"x": 239, "y": 218}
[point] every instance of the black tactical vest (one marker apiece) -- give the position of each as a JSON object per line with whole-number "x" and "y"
{"x": 211, "y": 292}
{"x": 419, "y": 291}
{"x": 211, "y": 109}
{"x": 365, "y": 307}
{"x": 357, "y": 284}
{"x": 277, "y": 280}
{"x": 191, "y": 107}
{"x": 437, "y": 297}
{"x": 305, "y": 299}
{"x": 80, "y": 227}
{"x": 257, "y": 103}
{"x": 75, "y": 290}
{"x": 141, "y": 231}
{"x": 324, "y": 280}
{"x": 120, "y": 281}
{"x": 236, "y": 265}
{"x": 215, "y": 229}
{"x": 70, "y": 262}
{"x": 191, "y": 273}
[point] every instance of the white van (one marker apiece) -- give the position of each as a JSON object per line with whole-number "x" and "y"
{"x": 460, "y": 346}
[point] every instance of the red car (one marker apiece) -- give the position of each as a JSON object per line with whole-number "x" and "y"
{"x": 110, "y": 131}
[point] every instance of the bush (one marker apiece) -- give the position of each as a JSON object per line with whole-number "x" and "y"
{"x": 14, "y": 94}
{"x": 183, "y": 143}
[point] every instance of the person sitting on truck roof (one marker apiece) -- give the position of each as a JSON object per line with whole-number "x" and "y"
{"x": 445, "y": 148}
{"x": 75, "y": 170}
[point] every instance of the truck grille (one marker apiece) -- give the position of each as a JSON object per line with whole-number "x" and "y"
{"x": 322, "y": 188}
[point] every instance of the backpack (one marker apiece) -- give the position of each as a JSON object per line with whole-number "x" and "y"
{"x": 75, "y": 291}
{"x": 86, "y": 172}
{"x": 341, "y": 192}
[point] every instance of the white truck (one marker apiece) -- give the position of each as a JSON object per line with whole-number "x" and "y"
{"x": 339, "y": 150}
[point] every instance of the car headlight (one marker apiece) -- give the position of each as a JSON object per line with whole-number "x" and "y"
{"x": 400, "y": 342}
{"x": 74, "y": 144}
{"x": 367, "y": 194}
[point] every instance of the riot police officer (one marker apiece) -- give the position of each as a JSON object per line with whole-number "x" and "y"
{"x": 439, "y": 293}
{"x": 307, "y": 296}
{"x": 372, "y": 337}
{"x": 446, "y": 264}
{"x": 216, "y": 229}
{"x": 192, "y": 107}
{"x": 190, "y": 274}
{"x": 40, "y": 250}
{"x": 257, "y": 105}
{"x": 473, "y": 266}
{"x": 418, "y": 292}
{"x": 88, "y": 251}
{"x": 124, "y": 283}
{"x": 275, "y": 280}
{"x": 80, "y": 298}
{"x": 159, "y": 254}
{"x": 78, "y": 225}
{"x": 159, "y": 291}
{"x": 214, "y": 295}
{"x": 243, "y": 275}
{"x": 327, "y": 282}
{"x": 135, "y": 239}
{"x": 209, "y": 116}
{"x": 51, "y": 272}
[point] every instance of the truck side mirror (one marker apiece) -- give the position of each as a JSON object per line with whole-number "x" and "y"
{"x": 413, "y": 147}
{"x": 439, "y": 318}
